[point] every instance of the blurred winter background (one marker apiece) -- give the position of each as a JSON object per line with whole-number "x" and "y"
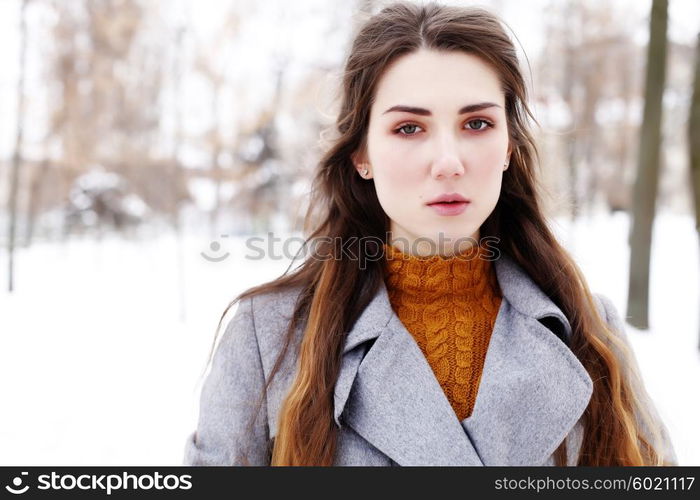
{"x": 142, "y": 142}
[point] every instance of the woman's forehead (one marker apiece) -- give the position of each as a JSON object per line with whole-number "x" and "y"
{"x": 442, "y": 82}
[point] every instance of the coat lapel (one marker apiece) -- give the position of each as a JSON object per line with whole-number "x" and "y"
{"x": 532, "y": 392}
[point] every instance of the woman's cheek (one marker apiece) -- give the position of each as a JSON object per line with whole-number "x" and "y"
{"x": 403, "y": 184}
{"x": 402, "y": 173}
{"x": 396, "y": 186}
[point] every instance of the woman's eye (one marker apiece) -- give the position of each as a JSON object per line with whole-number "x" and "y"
{"x": 478, "y": 123}
{"x": 404, "y": 127}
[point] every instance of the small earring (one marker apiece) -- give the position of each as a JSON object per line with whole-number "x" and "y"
{"x": 505, "y": 166}
{"x": 364, "y": 172}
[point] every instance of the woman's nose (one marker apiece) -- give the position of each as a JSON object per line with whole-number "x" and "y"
{"x": 446, "y": 161}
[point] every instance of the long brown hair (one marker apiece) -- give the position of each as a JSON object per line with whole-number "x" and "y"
{"x": 344, "y": 208}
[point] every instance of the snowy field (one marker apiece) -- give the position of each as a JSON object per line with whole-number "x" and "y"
{"x": 103, "y": 343}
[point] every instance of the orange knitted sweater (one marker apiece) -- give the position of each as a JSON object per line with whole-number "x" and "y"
{"x": 449, "y": 305}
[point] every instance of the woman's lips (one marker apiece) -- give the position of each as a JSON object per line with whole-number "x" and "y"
{"x": 452, "y": 208}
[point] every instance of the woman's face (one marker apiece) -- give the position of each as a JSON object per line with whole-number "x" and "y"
{"x": 455, "y": 140}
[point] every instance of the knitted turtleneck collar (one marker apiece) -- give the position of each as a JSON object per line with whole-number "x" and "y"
{"x": 449, "y": 305}
{"x": 469, "y": 273}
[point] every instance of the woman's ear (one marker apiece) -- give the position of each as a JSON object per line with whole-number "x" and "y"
{"x": 357, "y": 160}
{"x": 362, "y": 167}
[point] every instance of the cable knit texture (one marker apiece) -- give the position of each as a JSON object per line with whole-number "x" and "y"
{"x": 449, "y": 305}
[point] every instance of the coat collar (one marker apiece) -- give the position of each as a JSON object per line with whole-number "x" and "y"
{"x": 532, "y": 392}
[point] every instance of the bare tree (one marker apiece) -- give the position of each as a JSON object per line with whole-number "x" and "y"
{"x": 616, "y": 188}
{"x": 570, "y": 76}
{"x": 105, "y": 79}
{"x": 694, "y": 142}
{"x": 212, "y": 64}
{"x": 581, "y": 68}
{"x": 176, "y": 169}
{"x": 17, "y": 157}
{"x": 647, "y": 179}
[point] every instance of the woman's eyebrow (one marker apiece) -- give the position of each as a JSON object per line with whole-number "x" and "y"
{"x": 470, "y": 108}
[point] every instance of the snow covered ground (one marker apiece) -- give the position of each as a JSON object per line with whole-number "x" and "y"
{"x": 101, "y": 364}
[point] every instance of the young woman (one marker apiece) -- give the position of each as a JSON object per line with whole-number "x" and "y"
{"x": 437, "y": 321}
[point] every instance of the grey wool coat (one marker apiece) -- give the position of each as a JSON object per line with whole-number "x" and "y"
{"x": 389, "y": 406}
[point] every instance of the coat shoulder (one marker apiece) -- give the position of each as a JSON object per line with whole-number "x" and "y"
{"x": 272, "y": 313}
{"x": 605, "y": 305}
{"x": 276, "y": 302}
{"x": 658, "y": 434}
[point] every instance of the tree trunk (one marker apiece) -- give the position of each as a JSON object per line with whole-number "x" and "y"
{"x": 177, "y": 174}
{"x": 17, "y": 156}
{"x": 694, "y": 143}
{"x": 573, "y": 142}
{"x": 646, "y": 184}
{"x": 34, "y": 204}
